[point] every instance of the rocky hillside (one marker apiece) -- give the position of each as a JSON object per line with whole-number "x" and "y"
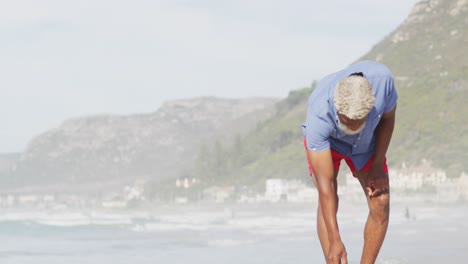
{"x": 428, "y": 56}
{"x": 107, "y": 149}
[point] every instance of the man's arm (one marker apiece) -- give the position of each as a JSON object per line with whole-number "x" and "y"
{"x": 377, "y": 181}
{"x": 326, "y": 185}
{"x": 383, "y": 135}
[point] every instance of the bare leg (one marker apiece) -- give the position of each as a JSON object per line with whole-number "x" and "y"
{"x": 376, "y": 225}
{"x": 321, "y": 227}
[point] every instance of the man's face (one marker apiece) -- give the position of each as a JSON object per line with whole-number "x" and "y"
{"x": 351, "y": 126}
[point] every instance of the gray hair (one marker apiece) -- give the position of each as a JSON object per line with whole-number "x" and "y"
{"x": 354, "y": 97}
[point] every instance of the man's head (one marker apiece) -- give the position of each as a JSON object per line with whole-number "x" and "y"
{"x": 353, "y": 101}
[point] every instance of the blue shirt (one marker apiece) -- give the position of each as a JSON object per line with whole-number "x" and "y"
{"x": 321, "y": 125}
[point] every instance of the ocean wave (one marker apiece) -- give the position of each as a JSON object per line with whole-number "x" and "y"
{"x": 155, "y": 227}
{"x": 229, "y": 242}
{"x": 68, "y": 219}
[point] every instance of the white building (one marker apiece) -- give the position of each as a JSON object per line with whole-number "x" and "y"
{"x": 28, "y": 199}
{"x": 218, "y": 194}
{"x": 133, "y": 193}
{"x": 417, "y": 177}
{"x": 276, "y": 189}
{"x": 303, "y": 195}
{"x": 463, "y": 185}
{"x": 288, "y": 190}
{"x": 117, "y": 203}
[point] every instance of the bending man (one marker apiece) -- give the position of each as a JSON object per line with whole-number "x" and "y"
{"x": 350, "y": 117}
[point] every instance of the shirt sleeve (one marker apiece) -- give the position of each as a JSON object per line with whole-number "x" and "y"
{"x": 318, "y": 131}
{"x": 391, "y": 95}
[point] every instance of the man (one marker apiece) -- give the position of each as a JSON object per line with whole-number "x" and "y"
{"x": 351, "y": 116}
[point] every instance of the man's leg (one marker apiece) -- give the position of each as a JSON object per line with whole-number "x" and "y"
{"x": 377, "y": 222}
{"x": 321, "y": 227}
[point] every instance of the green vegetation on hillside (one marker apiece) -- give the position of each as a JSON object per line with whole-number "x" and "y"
{"x": 273, "y": 149}
{"x": 427, "y": 56}
{"x": 431, "y": 70}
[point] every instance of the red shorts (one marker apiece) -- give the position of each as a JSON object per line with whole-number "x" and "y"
{"x": 337, "y": 157}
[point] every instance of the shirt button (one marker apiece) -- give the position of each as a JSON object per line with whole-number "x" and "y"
{"x": 358, "y": 138}
{"x": 379, "y": 115}
{"x": 355, "y": 145}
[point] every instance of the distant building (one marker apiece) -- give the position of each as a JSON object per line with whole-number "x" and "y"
{"x": 463, "y": 185}
{"x": 218, "y": 194}
{"x": 305, "y": 194}
{"x": 246, "y": 194}
{"x": 8, "y": 201}
{"x": 288, "y": 190}
{"x": 181, "y": 200}
{"x": 415, "y": 178}
{"x": 28, "y": 199}
{"x": 276, "y": 190}
{"x": 115, "y": 203}
{"x": 186, "y": 183}
{"x": 134, "y": 192}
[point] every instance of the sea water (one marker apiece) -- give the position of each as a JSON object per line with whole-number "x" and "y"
{"x": 247, "y": 234}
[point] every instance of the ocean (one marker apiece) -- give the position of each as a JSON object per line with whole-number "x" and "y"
{"x": 419, "y": 232}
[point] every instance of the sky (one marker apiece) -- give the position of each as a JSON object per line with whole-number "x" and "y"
{"x": 64, "y": 59}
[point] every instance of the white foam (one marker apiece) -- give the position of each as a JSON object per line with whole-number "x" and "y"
{"x": 153, "y": 227}
{"x": 76, "y": 218}
{"x": 229, "y": 242}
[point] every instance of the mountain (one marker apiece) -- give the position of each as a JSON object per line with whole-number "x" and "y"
{"x": 110, "y": 149}
{"x": 243, "y": 142}
{"x": 428, "y": 56}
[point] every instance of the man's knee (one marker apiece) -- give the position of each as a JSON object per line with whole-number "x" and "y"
{"x": 380, "y": 207}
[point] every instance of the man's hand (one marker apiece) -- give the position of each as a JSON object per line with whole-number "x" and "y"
{"x": 377, "y": 181}
{"x": 337, "y": 253}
